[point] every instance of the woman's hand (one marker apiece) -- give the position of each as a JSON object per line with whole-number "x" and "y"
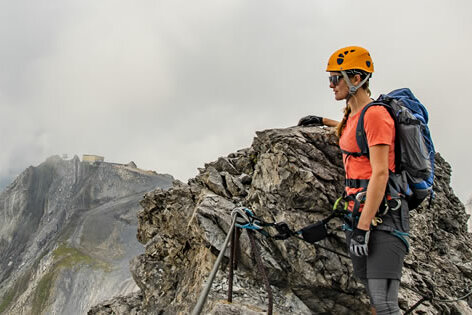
{"x": 311, "y": 120}
{"x": 359, "y": 243}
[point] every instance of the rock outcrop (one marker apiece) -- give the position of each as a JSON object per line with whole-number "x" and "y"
{"x": 292, "y": 175}
{"x": 67, "y": 233}
{"x": 468, "y": 209}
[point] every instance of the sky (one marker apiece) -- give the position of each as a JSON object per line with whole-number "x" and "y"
{"x": 174, "y": 84}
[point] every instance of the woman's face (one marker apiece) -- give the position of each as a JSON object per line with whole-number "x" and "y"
{"x": 340, "y": 89}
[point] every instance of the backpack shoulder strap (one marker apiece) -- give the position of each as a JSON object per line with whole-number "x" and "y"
{"x": 361, "y": 136}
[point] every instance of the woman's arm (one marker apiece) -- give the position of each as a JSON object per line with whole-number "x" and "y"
{"x": 377, "y": 184}
{"x": 330, "y": 122}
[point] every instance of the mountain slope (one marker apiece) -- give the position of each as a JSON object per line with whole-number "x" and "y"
{"x": 468, "y": 208}
{"x": 67, "y": 232}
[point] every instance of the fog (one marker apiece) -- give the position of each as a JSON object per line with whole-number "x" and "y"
{"x": 171, "y": 85}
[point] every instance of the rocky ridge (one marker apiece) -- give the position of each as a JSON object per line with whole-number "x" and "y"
{"x": 292, "y": 175}
{"x": 468, "y": 207}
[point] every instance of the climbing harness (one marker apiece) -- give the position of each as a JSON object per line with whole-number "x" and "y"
{"x": 351, "y": 218}
{"x": 311, "y": 234}
{"x": 393, "y": 204}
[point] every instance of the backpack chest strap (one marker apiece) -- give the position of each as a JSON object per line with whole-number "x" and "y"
{"x": 355, "y": 154}
{"x": 356, "y": 183}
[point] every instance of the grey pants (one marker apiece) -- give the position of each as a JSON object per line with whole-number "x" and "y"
{"x": 383, "y": 294}
{"x": 385, "y": 260}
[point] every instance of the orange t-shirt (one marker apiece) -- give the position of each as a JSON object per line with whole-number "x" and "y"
{"x": 380, "y": 129}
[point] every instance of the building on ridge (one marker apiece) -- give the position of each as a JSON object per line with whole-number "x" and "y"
{"x": 92, "y": 158}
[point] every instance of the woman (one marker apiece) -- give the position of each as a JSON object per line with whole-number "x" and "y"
{"x": 377, "y": 253}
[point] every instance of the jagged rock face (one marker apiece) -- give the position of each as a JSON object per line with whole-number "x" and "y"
{"x": 292, "y": 175}
{"x": 67, "y": 232}
{"x": 468, "y": 208}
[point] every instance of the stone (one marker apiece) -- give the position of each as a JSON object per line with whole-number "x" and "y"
{"x": 234, "y": 185}
{"x": 214, "y": 181}
{"x": 293, "y": 175}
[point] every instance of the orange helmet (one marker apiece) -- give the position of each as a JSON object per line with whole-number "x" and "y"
{"x": 351, "y": 57}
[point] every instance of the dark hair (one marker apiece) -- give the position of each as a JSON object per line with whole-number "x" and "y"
{"x": 363, "y": 74}
{"x": 347, "y": 110}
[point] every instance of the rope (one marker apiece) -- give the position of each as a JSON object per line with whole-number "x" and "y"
{"x": 416, "y": 305}
{"x": 231, "y": 266}
{"x": 333, "y": 251}
{"x": 288, "y": 232}
{"x": 257, "y": 224}
{"x": 233, "y": 261}
{"x": 257, "y": 256}
{"x": 242, "y": 212}
{"x": 254, "y": 223}
{"x": 426, "y": 298}
{"x": 453, "y": 300}
{"x": 206, "y": 290}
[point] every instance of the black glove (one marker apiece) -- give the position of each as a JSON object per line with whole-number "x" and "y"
{"x": 311, "y": 121}
{"x": 359, "y": 242}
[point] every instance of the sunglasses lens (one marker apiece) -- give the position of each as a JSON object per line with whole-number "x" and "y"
{"x": 334, "y": 79}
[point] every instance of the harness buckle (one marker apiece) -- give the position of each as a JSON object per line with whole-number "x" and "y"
{"x": 361, "y": 196}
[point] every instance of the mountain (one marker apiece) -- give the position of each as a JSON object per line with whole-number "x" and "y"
{"x": 4, "y": 182}
{"x": 292, "y": 175}
{"x": 468, "y": 208}
{"x": 67, "y": 233}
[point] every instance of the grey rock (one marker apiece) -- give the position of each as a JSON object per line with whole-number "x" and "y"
{"x": 245, "y": 179}
{"x": 128, "y": 305}
{"x": 468, "y": 208}
{"x": 214, "y": 181}
{"x": 234, "y": 185}
{"x": 296, "y": 174}
{"x": 223, "y": 165}
{"x": 67, "y": 232}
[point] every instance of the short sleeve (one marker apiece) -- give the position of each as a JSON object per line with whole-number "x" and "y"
{"x": 379, "y": 126}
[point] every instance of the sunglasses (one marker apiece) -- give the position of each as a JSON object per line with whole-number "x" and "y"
{"x": 335, "y": 79}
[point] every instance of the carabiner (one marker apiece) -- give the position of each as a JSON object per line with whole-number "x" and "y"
{"x": 376, "y": 221}
{"x": 241, "y": 212}
{"x": 361, "y": 196}
{"x": 397, "y": 206}
{"x": 336, "y": 204}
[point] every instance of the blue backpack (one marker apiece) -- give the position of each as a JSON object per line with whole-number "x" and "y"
{"x": 414, "y": 149}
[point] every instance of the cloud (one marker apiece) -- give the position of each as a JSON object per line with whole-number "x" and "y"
{"x": 174, "y": 84}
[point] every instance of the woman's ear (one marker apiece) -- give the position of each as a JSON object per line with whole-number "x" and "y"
{"x": 357, "y": 79}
